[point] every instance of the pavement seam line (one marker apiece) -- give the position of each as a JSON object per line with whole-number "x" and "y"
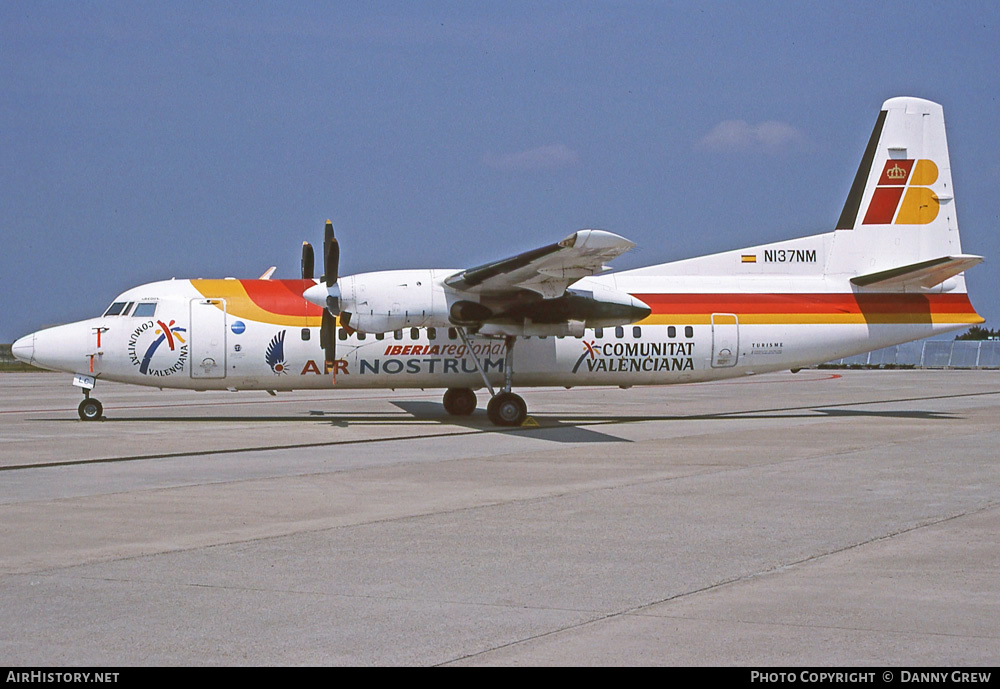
{"x": 636, "y": 611}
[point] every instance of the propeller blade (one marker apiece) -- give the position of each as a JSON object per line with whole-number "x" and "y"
{"x": 331, "y": 267}
{"x": 333, "y": 305}
{"x": 327, "y": 233}
{"x": 332, "y": 263}
{"x": 308, "y": 261}
{"x": 345, "y": 322}
{"x": 328, "y": 338}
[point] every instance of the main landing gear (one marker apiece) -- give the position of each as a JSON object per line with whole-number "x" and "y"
{"x": 504, "y": 408}
{"x": 459, "y": 401}
{"x": 90, "y": 408}
{"x": 507, "y": 409}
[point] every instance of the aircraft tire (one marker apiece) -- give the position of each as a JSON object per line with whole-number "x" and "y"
{"x": 460, "y": 401}
{"x": 507, "y": 409}
{"x": 90, "y": 409}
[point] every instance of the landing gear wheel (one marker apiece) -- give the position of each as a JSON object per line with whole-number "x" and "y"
{"x": 507, "y": 409}
{"x": 90, "y": 409}
{"x": 460, "y": 401}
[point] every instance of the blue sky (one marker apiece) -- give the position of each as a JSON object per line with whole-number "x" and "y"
{"x": 143, "y": 141}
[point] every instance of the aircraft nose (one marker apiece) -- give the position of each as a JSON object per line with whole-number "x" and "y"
{"x": 60, "y": 348}
{"x": 24, "y": 348}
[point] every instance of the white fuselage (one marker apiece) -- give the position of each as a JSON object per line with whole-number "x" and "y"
{"x": 248, "y": 335}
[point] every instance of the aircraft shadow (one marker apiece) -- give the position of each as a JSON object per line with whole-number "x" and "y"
{"x": 567, "y": 426}
{"x": 415, "y": 414}
{"x": 547, "y": 429}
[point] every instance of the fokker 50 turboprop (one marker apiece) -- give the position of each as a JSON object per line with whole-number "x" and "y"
{"x": 890, "y": 272}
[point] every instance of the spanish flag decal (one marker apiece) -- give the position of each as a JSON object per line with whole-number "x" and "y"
{"x": 748, "y": 258}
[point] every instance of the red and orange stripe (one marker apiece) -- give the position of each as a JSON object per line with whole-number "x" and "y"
{"x": 280, "y": 302}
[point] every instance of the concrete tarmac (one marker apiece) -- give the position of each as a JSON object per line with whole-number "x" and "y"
{"x": 821, "y": 518}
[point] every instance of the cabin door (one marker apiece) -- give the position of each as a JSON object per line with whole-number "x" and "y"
{"x": 208, "y": 338}
{"x": 725, "y": 340}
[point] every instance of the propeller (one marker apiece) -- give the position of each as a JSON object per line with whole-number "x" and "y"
{"x": 326, "y": 293}
{"x": 331, "y": 271}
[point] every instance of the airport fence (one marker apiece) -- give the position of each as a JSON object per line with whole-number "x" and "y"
{"x": 9, "y": 363}
{"x": 5, "y": 355}
{"x": 929, "y": 354}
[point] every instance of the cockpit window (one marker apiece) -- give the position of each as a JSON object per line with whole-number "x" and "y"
{"x": 115, "y": 309}
{"x": 145, "y": 309}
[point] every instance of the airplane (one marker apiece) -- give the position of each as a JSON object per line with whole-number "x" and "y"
{"x": 890, "y": 272}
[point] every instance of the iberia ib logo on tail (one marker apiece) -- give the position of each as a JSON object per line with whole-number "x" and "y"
{"x": 920, "y": 205}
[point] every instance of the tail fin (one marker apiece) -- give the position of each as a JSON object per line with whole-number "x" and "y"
{"x": 901, "y": 208}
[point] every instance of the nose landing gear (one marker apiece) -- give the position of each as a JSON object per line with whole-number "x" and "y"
{"x": 90, "y": 408}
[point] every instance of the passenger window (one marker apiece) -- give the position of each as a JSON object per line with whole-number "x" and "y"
{"x": 343, "y": 334}
{"x": 599, "y": 333}
{"x": 671, "y": 331}
{"x": 414, "y": 333}
{"x": 619, "y": 332}
{"x": 379, "y": 336}
{"x": 115, "y": 309}
{"x": 636, "y": 331}
{"x": 452, "y": 334}
{"x": 432, "y": 333}
{"x": 361, "y": 335}
{"x": 688, "y": 331}
{"x": 398, "y": 334}
{"x": 305, "y": 331}
{"x": 145, "y": 309}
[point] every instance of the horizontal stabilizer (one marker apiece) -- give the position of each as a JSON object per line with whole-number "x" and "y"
{"x": 926, "y": 274}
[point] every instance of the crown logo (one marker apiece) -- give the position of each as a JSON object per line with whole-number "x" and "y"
{"x": 895, "y": 172}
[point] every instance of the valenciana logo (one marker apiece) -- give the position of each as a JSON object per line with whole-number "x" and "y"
{"x": 157, "y": 359}
{"x": 589, "y": 349}
{"x": 635, "y": 357}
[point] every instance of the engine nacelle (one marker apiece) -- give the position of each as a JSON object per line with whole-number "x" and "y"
{"x": 529, "y": 328}
{"x": 595, "y": 306}
{"x": 466, "y": 312}
{"x": 393, "y": 299}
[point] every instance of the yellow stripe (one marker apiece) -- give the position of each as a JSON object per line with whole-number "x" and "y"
{"x": 240, "y": 305}
{"x": 816, "y": 318}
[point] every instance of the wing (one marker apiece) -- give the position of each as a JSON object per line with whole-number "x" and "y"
{"x": 548, "y": 270}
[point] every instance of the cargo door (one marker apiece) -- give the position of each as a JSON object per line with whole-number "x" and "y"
{"x": 725, "y": 340}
